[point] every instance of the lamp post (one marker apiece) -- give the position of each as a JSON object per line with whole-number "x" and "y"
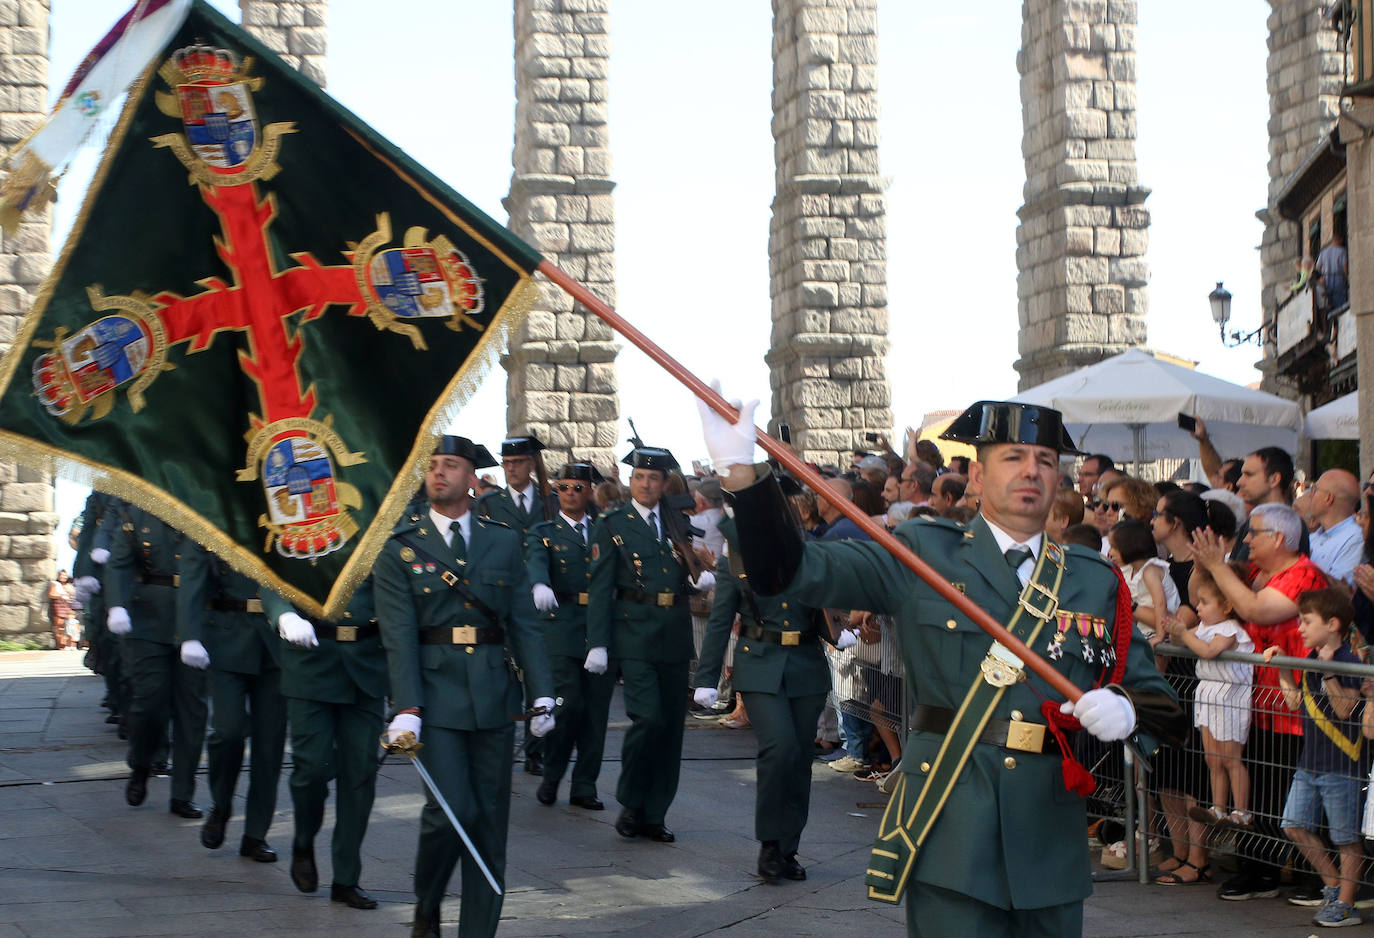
{"x": 1220, "y": 300}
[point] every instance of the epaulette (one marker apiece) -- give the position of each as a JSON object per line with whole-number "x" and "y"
{"x": 935, "y": 521}
{"x": 483, "y": 519}
{"x": 408, "y": 521}
{"x": 488, "y": 496}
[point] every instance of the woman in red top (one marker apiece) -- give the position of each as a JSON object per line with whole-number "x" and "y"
{"x": 60, "y": 607}
{"x": 1268, "y": 604}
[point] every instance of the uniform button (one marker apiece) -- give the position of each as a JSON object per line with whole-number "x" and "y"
{"x": 784, "y": 605}
{"x": 1009, "y": 762}
{"x": 786, "y": 622}
{"x": 1016, "y": 715}
{"x": 500, "y": 582}
{"x": 925, "y": 767}
{"x": 426, "y": 589}
{"x": 746, "y": 647}
{"x": 470, "y": 649}
{"x": 348, "y": 615}
{"x": 467, "y": 605}
{"x": 951, "y": 624}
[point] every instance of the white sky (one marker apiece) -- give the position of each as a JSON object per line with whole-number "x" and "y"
{"x": 693, "y": 163}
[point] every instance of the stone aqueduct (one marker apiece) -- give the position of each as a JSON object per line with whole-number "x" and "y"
{"x": 1081, "y": 241}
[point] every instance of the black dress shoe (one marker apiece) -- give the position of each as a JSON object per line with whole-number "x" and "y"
{"x": 627, "y": 825}
{"x": 547, "y": 792}
{"x": 351, "y": 896}
{"x": 792, "y": 869}
{"x": 590, "y": 802}
{"x": 112, "y": 719}
{"x": 534, "y": 765}
{"x": 303, "y": 872}
{"x": 137, "y": 789}
{"x": 185, "y": 809}
{"x": 770, "y": 861}
{"x": 255, "y": 849}
{"x": 123, "y": 731}
{"x": 162, "y": 769}
{"x": 212, "y": 831}
{"x": 657, "y": 833}
{"x": 425, "y": 926}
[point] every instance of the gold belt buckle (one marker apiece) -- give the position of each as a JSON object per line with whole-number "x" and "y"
{"x": 791, "y": 638}
{"x": 346, "y": 633}
{"x": 583, "y": 599}
{"x": 449, "y": 578}
{"x": 176, "y": 579}
{"x": 464, "y": 635}
{"x": 1026, "y": 737}
{"x": 252, "y": 605}
{"x": 667, "y": 599}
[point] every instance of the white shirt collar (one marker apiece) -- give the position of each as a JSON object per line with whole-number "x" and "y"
{"x": 573, "y": 524}
{"x": 527, "y": 491}
{"x": 644, "y": 512}
{"x": 444, "y": 525}
{"x": 1005, "y": 542}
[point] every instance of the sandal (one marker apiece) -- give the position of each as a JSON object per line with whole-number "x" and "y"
{"x": 1210, "y": 816}
{"x": 1169, "y": 869}
{"x": 1239, "y": 819}
{"x": 1204, "y": 875}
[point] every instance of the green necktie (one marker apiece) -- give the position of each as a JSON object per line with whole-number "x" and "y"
{"x": 459, "y": 546}
{"x": 1017, "y": 556}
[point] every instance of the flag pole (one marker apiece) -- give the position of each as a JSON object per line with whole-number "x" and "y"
{"x": 805, "y": 474}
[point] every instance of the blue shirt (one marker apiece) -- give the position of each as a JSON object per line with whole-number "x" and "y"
{"x": 1338, "y": 550}
{"x": 1319, "y": 753}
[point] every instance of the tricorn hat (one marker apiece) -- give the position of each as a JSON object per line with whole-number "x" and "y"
{"x": 650, "y": 457}
{"x": 580, "y": 471}
{"x": 521, "y": 446}
{"x": 1011, "y": 422}
{"x": 474, "y": 453}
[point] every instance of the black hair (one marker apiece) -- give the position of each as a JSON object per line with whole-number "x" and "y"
{"x": 1277, "y": 462}
{"x": 1221, "y": 519}
{"x": 1084, "y": 534}
{"x": 1132, "y": 540}
{"x": 1187, "y": 509}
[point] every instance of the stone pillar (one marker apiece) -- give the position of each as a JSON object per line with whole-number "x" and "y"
{"x": 1359, "y": 189}
{"x": 294, "y": 29}
{"x": 827, "y": 242}
{"x": 1080, "y": 247}
{"x": 27, "y": 519}
{"x": 561, "y": 383}
{"x": 1305, "y": 70}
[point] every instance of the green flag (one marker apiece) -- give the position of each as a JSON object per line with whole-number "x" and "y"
{"x": 264, "y": 317}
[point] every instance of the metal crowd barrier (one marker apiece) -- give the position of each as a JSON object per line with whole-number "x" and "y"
{"x": 1154, "y": 805}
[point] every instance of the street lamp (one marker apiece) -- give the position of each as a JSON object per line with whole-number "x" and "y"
{"x": 1220, "y": 298}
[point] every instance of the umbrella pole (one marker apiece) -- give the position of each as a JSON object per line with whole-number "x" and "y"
{"x": 1137, "y": 445}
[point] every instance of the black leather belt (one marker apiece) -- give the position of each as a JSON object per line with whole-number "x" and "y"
{"x": 157, "y": 579}
{"x": 463, "y": 635}
{"x": 572, "y": 599}
{"x": 346, "y": 633}
{"x": 235, "y": 605}
{"x": 1008, "y": 734}
{"x": 759, "y": 634}
{"x": 665, "y": 600}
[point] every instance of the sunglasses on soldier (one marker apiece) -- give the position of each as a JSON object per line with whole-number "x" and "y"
{"x": 569, "y": 486}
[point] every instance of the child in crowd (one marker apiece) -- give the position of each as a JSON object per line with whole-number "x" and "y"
{"x": 1222, "y": 710}
{"x": 1083, "y": 534}
{"x": 1153, "y": 592}
{"x": 1331, "y": 768}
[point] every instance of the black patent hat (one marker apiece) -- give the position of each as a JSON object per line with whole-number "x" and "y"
{"x": 461, "y": 446}
{"x": 650, "y": 457}
{"x": 581, "y": 471}
{"x": 1011, "y": 422}
{"x": 521, "y": 446}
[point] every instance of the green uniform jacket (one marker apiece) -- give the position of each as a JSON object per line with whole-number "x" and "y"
{"x": 97, "y": 505}
{"x": 500, "y": 506}
{"x": 1010, "y": 834}
{"x": 556, "y": 556}
{"x": 461, "y": 687}
{"x": 144, "y": 546}
{"x": 334, "y": 672}
{"x": 239, "y": 641}
{"x": 638, "y": 563}
{"x": 760, "y": 667}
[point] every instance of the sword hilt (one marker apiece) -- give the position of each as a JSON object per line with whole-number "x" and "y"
{"x": 538, "y": 711}
{"x": 405, "y": 743}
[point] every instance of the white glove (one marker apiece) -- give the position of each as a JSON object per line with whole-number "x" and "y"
{"x": 848, "y": 639}
{"x": 705, "y": 581}
{"x": 117, "y": 621}
{"x": 99, "y": 555}
{"x": 296, "y": 630}
{"x": 543, "y": 722}
{"x": 86, "y": 587}
{"x": 1104, "y": 713}
{"x": 403, "y": 723}
{"x": 596, "y": 661}
{"x": 730, "y": 444}
{"x": 194, "y": 655}
{"x": 544, "y": 599}
{"x": 706, "y": 697}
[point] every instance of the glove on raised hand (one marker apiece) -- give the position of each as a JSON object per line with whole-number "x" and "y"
{"x": 730, "y": 444}
{"x": 1104, "y": 713}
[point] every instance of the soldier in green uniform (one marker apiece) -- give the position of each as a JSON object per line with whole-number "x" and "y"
{"x": 166, "y": 671}
{"x": 784, "y": 677}
{"x": 453, "y": 601}
{"x": 523, "y": 503}
{"x": 334, "y": 680}
{"x": 987, "y": 817}
{"x": 558, "y": 556}
{"x": 642, "y": 564}
{"x": 92, "y": 552}
{"x": 219, "y": 607}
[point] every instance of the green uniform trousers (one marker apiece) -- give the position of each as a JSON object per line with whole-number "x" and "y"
{"x": 651, "y": 757}
{"x": 580, "y": 722}
{"x": 472, "y": 770}
{"x": 244, "y": 705}
{"x": 161, "y": 688}
{"x": 933, "y": 912}
{"x": 335, "y": 743}
{"x": 786, "y": 732}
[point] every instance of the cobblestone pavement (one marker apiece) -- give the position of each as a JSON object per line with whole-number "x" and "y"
{"x": 76, "y": 861}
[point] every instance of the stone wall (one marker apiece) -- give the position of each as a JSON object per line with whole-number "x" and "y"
{"x": 27, "y": 519}
{"x": 294, "y": 29}
{"x": 1080, "y": 247}
{"x": 561, "y": 382}
{"x": 827, "y": 242}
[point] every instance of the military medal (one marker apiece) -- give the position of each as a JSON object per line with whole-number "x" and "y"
{"x": 407, "y": 554}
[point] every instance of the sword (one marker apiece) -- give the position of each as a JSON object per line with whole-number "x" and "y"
{"x": 408, "y": 744}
